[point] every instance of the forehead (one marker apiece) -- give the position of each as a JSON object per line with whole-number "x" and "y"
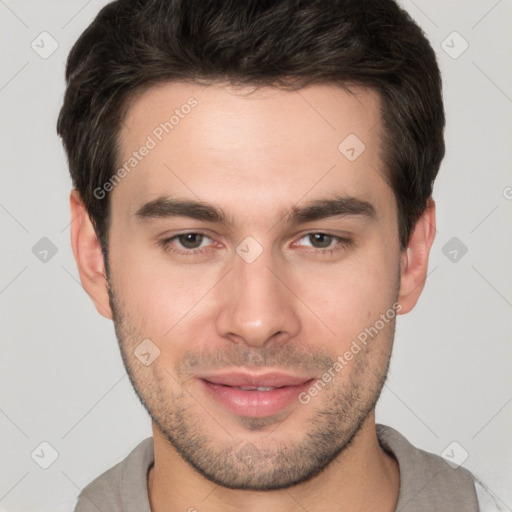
{"x": 226, "y": 143}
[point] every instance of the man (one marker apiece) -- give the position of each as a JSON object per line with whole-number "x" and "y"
{"x": 252, "y": 208}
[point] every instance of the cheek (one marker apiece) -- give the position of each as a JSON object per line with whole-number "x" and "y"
{"x": 160, "y": 297}
{"x": 352, "y": 295}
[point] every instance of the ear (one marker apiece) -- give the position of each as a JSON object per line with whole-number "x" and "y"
{"x": 88, "y": 255}
{"x": 414, "y": 259}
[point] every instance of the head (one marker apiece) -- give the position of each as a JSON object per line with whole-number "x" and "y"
{"x": 252, "y": 190}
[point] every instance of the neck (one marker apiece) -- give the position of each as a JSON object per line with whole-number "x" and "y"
{"x": 362, "y": 477}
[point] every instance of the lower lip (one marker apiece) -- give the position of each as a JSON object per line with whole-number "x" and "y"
{"x": 254, "y": 404}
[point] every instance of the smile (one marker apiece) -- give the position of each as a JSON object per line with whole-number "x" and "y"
{"x": 254, "y": 395}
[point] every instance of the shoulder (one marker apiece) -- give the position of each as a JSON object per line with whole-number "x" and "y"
{"x": 427, "y": 481}
{"x": 123, "y": 486}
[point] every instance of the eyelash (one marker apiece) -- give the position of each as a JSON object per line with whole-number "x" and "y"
{"x": 342, "y": 243}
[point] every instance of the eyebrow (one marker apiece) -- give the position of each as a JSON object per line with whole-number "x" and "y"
{"x": 339, "y": 206}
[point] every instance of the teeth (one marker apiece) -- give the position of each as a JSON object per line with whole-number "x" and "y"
{"x": 252, "y": 388}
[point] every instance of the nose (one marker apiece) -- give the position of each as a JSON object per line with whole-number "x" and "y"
{"x": 257, "y": 304}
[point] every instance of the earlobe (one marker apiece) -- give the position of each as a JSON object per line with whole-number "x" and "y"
{"x": 414, "y": 259}
{"x": 88, "y": 255}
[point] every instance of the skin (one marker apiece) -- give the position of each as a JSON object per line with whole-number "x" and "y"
{"x": 256, "y": 154}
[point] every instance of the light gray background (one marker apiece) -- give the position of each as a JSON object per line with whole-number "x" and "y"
{"x": 62, "y": 380}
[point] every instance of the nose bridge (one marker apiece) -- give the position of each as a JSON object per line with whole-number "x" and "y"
{"x": 256, "y": 304}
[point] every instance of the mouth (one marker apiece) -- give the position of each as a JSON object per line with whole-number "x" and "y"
{"x": 254, "y": 395}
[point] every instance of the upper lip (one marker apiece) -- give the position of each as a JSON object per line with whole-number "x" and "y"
{"x": 243, "y": 379}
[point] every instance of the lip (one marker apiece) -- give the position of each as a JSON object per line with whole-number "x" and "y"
{"x": 243, "y": 379}
{"x": 224, "y": 389}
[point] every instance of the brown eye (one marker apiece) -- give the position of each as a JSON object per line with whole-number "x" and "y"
{"x": 190, "y": 240}
{"x": 324, "y": 243}
{"x": 320, "y": 240}
{"x": 187, "y": 244}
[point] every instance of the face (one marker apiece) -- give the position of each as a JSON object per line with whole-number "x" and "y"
{"x": 230, "y": 313}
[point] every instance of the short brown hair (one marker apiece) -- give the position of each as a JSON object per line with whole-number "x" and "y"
{"x": 133, "y": 44}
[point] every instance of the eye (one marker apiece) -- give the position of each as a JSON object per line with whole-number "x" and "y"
{"x": 192, "y": 243}
{"x": 191, "y": 240}
{"x": 324, "y": 242}
{"x": 186, "y": 243}
{"x": 319, "y": 240}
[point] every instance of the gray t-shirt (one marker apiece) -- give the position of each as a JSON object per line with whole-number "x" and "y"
{"x": 427, "y": 482}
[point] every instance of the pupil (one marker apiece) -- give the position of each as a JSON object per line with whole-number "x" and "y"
{"x": 191, "y": 240}
{"x": 320, "y": 240}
